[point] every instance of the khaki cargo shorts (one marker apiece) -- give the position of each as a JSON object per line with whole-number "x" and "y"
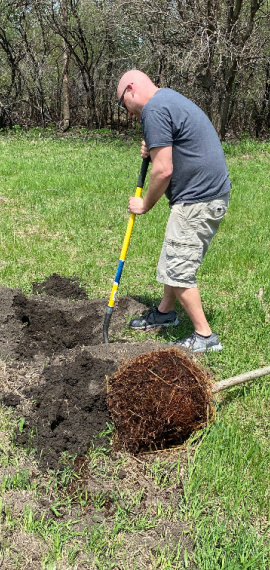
{"x": 189, "y": 231}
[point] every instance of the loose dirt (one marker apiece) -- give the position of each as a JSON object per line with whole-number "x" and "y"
{"x": 54, "y": 363}
{"x": 53, "y": 374}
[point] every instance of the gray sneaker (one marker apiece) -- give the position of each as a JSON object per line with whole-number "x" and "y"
{"x": 197, "y": 343}
{"x": 154, "y": 319}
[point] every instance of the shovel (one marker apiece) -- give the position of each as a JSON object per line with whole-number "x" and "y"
{"x": 125, "y": 245}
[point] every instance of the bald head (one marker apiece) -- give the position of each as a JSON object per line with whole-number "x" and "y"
{"x": 139, "y": 89}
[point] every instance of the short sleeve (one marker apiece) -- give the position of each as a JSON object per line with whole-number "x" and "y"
{"x": 157, "y": 128}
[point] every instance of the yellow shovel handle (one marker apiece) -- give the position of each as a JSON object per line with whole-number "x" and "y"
{"x": 124, "y": 249}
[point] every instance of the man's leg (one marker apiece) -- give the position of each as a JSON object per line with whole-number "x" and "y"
{"x": 158, "y": 316}
{"x": 189, "y": 231}
{"x": 190, "y": 300}
{"x": 168, "y": 299}
{"x": 202, "y": 338}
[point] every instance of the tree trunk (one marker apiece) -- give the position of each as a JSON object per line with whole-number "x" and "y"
{"x": 65, "y": 103}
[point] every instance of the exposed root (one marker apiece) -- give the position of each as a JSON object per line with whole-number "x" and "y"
{"x": 158, "y": 399}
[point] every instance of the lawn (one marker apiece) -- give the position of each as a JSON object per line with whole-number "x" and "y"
{"x": 64, "y": 210}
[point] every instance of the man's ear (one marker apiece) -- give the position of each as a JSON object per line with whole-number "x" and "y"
{"x": 130, "y": 87}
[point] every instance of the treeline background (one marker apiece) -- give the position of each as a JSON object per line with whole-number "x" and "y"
{"x": 60, "y": 62}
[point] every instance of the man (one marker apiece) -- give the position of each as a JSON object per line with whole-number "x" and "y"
{"x": 188, "y": 165}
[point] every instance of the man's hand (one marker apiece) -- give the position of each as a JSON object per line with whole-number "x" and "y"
{"x": 144, "y": 150}
{"x": 136, "y": 206}
{"x": 160, "y": 177}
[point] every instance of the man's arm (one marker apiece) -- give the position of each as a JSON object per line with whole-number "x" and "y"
{"x": 161, "y": 173}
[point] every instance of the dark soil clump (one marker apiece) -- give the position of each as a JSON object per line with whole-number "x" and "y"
{"x": 69, "y": 408}
{"x": 50, "y": 325}
{"x": 62, "y": 287}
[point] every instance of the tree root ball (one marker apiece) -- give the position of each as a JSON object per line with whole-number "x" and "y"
{"x": 158, "y": 399}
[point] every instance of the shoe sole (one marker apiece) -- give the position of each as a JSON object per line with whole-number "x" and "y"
{"x": 215, "y": 348}
{"x": 210, "y": 349}
{"x": 155, "y": 326}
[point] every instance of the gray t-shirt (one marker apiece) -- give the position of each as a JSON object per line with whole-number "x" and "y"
{"x": 199, "y": 167}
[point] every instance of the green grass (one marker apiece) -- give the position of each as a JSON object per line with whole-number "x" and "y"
{"x": 63, "y": 210}
{"x": 228, "y": 487}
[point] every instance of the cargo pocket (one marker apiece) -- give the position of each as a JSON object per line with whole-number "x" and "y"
{"x": 182, "y": 261}
{"x": 217, "y": 209}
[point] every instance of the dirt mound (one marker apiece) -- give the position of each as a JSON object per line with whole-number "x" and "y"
{"x": 62, "y": 287}
{"x": 54, "y": 364}
{"x": 48, "y": 325}
{"x": 69, "y": 407}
